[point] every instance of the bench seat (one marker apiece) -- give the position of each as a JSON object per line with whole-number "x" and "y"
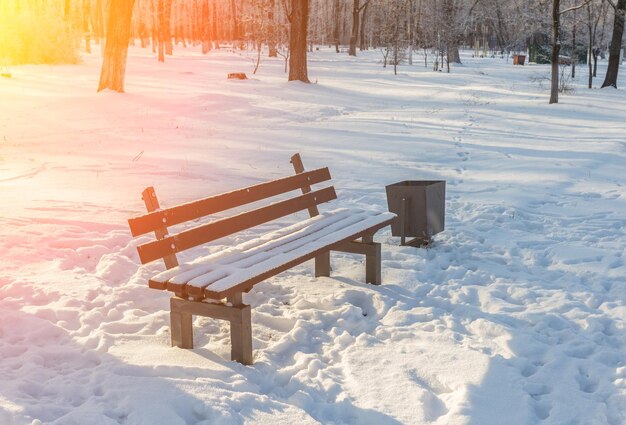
{"x": 240, "y": 267}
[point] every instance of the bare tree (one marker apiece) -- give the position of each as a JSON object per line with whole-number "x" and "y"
{"x": 337, "y": 23}
{"x": 362, "y": 32}
{"x": 206, "y": 27}
{"x": 116, "y": 48}
{"x": 356, "y": 16}
{"x": 299, "y": 21}
{"x": 556, "y": 45}
{"x": 595, "y": 10}
{"x": 610, "y": 80}
{"x": 393, "y": 33}
{"x": 272, "y": 29}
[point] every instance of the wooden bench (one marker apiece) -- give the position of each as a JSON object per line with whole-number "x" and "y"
{"x": 201, "y": 286}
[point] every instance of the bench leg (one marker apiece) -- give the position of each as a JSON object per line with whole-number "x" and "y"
{"x": 322, "y": 265}
{"x": 372, "y": 262}
{"x": 181, "y": 327}
{"x": 241, "y": 333}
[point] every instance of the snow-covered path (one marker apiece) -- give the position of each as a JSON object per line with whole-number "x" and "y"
{"x": 516, "y": 315}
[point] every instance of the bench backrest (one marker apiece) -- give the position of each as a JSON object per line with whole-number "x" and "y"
{"x": 158, "y": 220}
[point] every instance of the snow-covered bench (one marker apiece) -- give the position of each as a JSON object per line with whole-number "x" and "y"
{"x": 201, "y": 285}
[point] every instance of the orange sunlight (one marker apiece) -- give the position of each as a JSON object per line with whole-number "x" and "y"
{"x": 36, "y": 33}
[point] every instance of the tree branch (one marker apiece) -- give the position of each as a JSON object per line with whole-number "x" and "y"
{"x": 286, "y": 8}
{"x": 363, "y": 6}
{"x": 575, "y": 7}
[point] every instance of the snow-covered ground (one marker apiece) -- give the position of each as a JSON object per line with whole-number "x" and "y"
{"x": 516, "y": 315}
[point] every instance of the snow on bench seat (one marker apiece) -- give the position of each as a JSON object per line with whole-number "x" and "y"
{"x": 224, "y": 270}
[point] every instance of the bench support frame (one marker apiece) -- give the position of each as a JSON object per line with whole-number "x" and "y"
{"x": 236, "y": 312}
{"x": 372, "y": 252}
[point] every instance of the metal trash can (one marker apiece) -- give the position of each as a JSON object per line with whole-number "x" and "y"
{"x": 420, "y": 207}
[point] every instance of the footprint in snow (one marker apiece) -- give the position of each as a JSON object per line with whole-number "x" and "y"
{"x": 581, "y": 351}
{"x": 616, "y": 264}
{"x": 430, "y": 384}
{"x": 537, "y": 390}
{"x": 542, "y": 410}
{"x": 434, "y": 406}
{"x": 529, "y": 370}
{"x": 586, "y": 383}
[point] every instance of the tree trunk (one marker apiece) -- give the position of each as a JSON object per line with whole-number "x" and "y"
{"x": 206, "y": 27}
{"x": 500, "y": 27}
{"x": 167, "y": 28}
{"x": 161, "y": 29}
{"x": 86, "y": 29}
{"x": 362, "y": 44}
{"x": 337, "y": 12}
{"x": 299, "y": 22}
{"x": 271, "y": 36}
{"x": 590, "y": 43}
{"x": 591, "y": 32}
{"x": 556, "y": 49}
{"x": 616, "y": 46}
{"x": 410, "y": 28}
{"x": 116, "y": 48}
{"x": 395, "y": 57}
{"x": 234, "y": 20}
{"x": 451, "y": 38}
{"x": 453, "y": 55}
{"x": 589, "y": 58}
{"x": 99, "y": 21}
{"x": 590, "y": 80}
{"x": 355, "y": 28}
{"x": 215, "y": 37}
{"x": 574, "y": 58}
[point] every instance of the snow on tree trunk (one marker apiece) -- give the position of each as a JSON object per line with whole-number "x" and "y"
{"x": 610, "y": 80}
{"x": 299, "y": 21}
{"x": 116, "y": 48}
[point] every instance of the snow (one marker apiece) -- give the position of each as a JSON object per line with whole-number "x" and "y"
{"x": 515, "y": 315}
{"x": 241, "y": 263}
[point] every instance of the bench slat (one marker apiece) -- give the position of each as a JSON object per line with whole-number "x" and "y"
{"x": 215, "y": 293}
{"x": 190, "y": 211}
{"x": 209, "y": 232}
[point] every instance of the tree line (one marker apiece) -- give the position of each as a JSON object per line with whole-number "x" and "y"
{"x": 437, "y": 29}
